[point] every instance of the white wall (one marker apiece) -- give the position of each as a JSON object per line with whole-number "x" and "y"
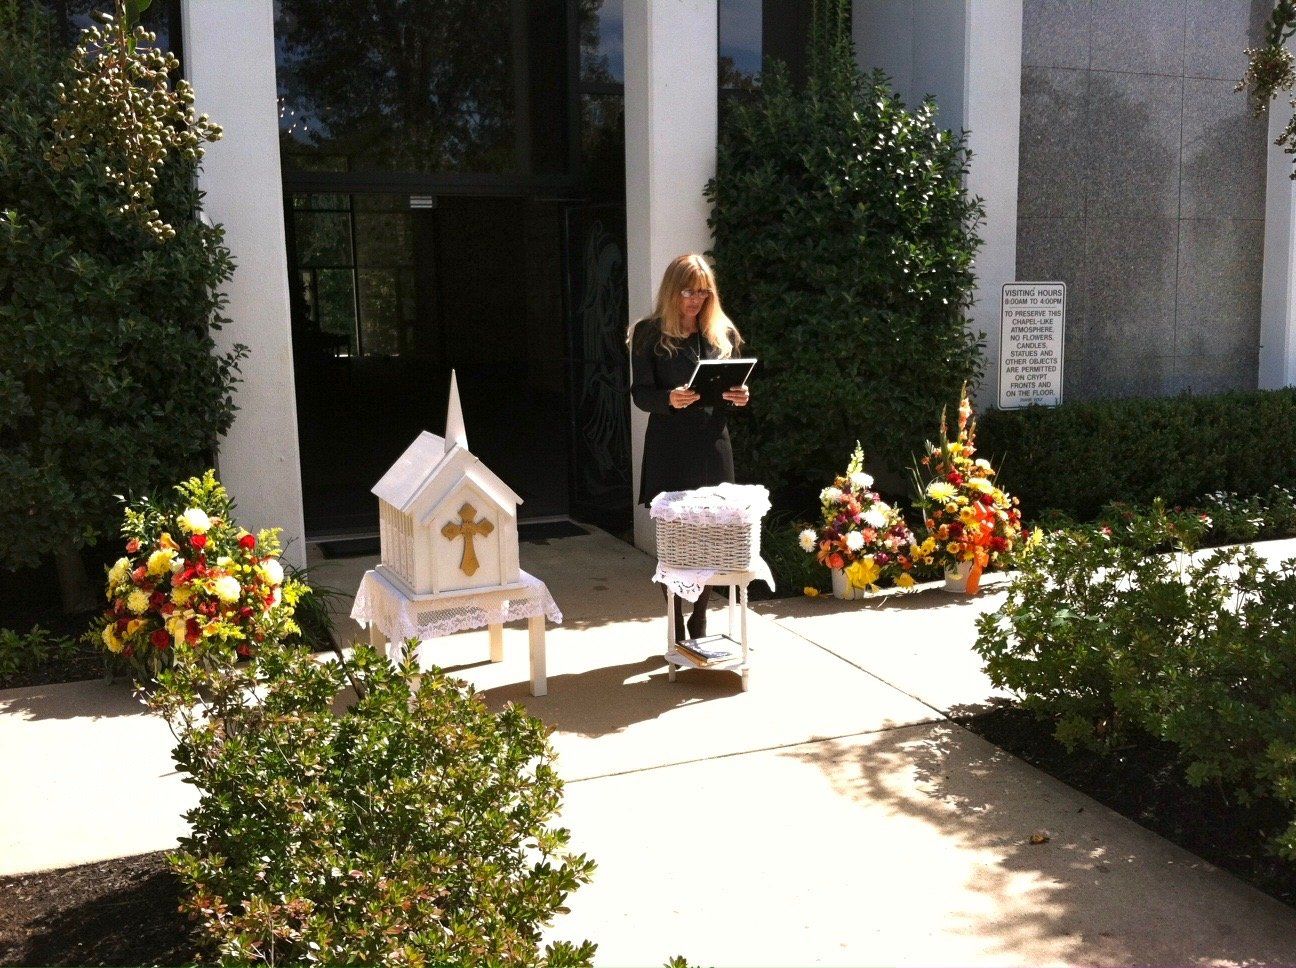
{"x": 670, "y": 119}
{"x": 230, "y": 60}
{"x": 967, "y": 54}
{"x": 1278, "y": 287}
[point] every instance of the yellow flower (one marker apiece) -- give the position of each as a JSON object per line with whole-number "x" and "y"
{"x": 953, "y": 547}
{"x": 133, "y": 626}
{"x": 941, "y": 491}
{"x": 166, "y": 541}
{"x": 810, "y": 591}
{"x": 118, "y": 574}
{"x": 980, "y": 484}
{"x": 110, "y": 639}
{"x": 905, "y": 580}
{"x": 181, "y": 594}
{"x": 159, "y": 562}
{"x": 954, "y": 447}
{"x": 863, "y": 573}
{"x": 137, "y": 601}
{"x": 176, "y": 626}
{"x": 951, "y": 509}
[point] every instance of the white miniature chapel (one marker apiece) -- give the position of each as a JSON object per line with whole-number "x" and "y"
{"x": 448, "y": 539}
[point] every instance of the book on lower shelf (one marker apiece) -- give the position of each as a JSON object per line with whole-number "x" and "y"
{"x": 709, "y": 650}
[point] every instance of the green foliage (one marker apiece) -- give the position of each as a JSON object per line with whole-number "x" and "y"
{"x": 844, "y": 242}
{"x": 1076, "y": 457}
{"x": 413, "y": 828}
{"x": 109, "y": 379}
{"x": 1117, "y": 642}
{"x": 792, "y": 567}
{"x": 21, "y": 652}
{"x": 1271, "y": 69}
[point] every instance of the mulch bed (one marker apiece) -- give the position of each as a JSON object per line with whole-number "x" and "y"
{"x": 115, "y": 912}
{"x": 1145, "y": 783}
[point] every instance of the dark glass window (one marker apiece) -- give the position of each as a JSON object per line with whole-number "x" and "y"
{"x": 741, "y": 44}
{"x": 602, "y": 50}
{"x": 437, "y": 87}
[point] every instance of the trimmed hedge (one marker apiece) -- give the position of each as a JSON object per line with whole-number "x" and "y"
{"x": 1077, "y": 457}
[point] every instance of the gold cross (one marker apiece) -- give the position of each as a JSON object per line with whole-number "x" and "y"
{"x": 466, "y": 529}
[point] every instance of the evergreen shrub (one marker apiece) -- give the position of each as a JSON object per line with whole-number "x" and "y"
{"x": 405, "y": 825}
{"x": 1077, "y": 457}
{"x": 109, "y": 379}
{"x": 844, "y": 243}
{"x": 1124, "y": 639}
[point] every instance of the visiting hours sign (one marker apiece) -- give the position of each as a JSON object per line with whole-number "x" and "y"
{"x": 1032, "y": 335}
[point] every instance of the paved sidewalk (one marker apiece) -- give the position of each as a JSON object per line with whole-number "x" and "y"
{"x": 854, "y": 823}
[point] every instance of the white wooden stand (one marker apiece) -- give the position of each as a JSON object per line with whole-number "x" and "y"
{"x": 737, "y": 582}
{"x": 491, "y": 599}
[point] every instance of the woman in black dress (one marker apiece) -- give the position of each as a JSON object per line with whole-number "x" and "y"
{"x": 687, "y": 444}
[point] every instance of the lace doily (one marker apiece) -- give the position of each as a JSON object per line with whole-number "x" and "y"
{"x": 400, "y": 618}
{"x": 721, "y": 504}
{"x": 687, "y": 583}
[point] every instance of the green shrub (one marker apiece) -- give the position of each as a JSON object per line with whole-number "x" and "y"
{"x": 412, "y": 828}
{"x": 844, "y": 243}
{"x": 1079, "y": 456}
{"x": 1118, "y": 643}
{"x": 21, "y": 652}
{"x": 109, "y": 379}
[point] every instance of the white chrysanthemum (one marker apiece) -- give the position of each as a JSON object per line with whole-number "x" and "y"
{"x": 807, "y": 539}
{"x": 227, "y": 589}
{"x": 980, "y": 484}
{"x": 830, "y": 494}
{"x": 138, "y": 601}
{"x": 854, "y": 541}
{"x": 982, "y": 463}
{"x": 195, "y": 521}
{"x": 861, "y": 480}
{"x": 941, "y": 490}
{"x": 273, "y": 571}
{"x": 161, "y": 561}
{"x": 875, "y": 518}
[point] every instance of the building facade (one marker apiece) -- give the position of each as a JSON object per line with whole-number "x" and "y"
{"x": 495, "y": 187}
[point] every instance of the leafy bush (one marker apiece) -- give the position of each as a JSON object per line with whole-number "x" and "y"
{"x": 1078, "y": 456}
{"x": 844, "y": 242}
{"x": 1117, "y": 643}
{"x": 109, "y": 379}
{"x": 23, "y": 652}
{"x": 413, "y": 828}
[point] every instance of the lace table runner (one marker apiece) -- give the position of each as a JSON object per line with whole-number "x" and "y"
{"x": 687, "y": 583}
{"x": 400, "y": 618}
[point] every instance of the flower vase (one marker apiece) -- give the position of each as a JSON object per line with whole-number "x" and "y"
{"x": 842, "y": 588}
{"x": 956, "y": 577}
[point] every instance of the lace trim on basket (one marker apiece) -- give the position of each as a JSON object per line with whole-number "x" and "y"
{"x": 722, "y": 504}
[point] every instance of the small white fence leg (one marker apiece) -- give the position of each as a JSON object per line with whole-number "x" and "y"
{"x": 497, "y": 643}
{"x": 377, "y": 640}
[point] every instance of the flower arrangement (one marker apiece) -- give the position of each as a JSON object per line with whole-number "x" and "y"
{"x": 860, "y": 534}
{"x": 968, "y": 518}
{"x": 192, "y": 580}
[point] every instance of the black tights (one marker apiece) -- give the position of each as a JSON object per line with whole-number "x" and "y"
{"x": 697, "y": 621}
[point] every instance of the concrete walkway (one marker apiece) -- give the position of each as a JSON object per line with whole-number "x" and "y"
{"x": 853, "y": 822}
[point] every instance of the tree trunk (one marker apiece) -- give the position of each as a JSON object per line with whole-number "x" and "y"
{"x": 75, "y": 587}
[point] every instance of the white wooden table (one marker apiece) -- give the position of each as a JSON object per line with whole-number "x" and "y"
{"x": 393, "y": 615}
{"x": 737, "y": 582}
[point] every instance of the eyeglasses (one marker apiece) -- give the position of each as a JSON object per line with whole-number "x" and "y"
{"x": 699, "y": 293}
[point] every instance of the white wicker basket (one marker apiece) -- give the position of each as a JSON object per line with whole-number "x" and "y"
{"x": 723, "y": 547}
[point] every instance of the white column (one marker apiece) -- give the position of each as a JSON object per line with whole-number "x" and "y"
{"x": 670, "y": 120}
{"x": 1278, "y": 281}
{"x": 968, "y": 56}
{"x": 229, "y": 57}
{"x": 992, "y": 115}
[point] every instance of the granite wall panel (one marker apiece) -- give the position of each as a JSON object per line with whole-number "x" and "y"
{"x": 1055, "y": 33}
{"x": 1054, "y": 142}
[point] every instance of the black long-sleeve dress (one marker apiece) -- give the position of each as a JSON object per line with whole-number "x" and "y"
{"x": 686, "y": 448}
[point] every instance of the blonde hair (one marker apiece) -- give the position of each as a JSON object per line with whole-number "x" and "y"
{"x": 691, "y": 271}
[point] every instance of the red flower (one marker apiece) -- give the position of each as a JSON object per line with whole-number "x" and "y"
{"x": 247, "y": 542}
{"x": 128, "y": 651}
{"x": 132, "y": 546}
{"x": 987, "y": 499}
{"x": 160, "y": 638}
{"x": 243, "y": 650}
{"x": 199, "y": 541}
{"x": 166, "y": 608}
{"x": 245, "y": 612}
{"x": 139, "y": 575}
{"x": 122, "y": 624}
{"x": 157, "y": 600}
{"x": 192, "y": 632}
{"x": 835, "y": 560}
{"x": 954, "y": 477}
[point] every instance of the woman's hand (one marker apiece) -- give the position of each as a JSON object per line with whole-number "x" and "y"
{"x": 738, "y": 396}
{"x": 682, "y": 397}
